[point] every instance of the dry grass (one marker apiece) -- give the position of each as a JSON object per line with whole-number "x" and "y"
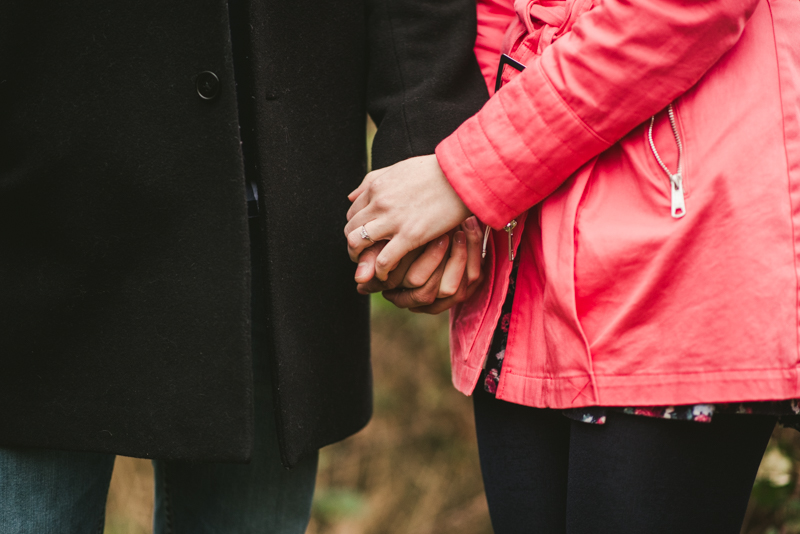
{"x": 130, "y": 498}
{"x": 414, "y": 468}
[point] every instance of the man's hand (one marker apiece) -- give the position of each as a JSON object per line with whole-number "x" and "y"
{"x": 408, "y": 204}
{"x": 414, "y": 270}
{"x": 461, "y": 275}
{"x": 426, "y": 281}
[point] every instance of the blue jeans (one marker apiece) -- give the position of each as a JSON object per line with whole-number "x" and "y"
{"x": 60, "y": 492}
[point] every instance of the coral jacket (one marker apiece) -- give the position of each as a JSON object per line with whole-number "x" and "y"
{"x": 639, "y": 284}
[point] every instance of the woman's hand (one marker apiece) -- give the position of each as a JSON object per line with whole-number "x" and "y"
{"x": 408, "y": 204}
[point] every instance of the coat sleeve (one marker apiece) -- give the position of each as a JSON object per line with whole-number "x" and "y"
{"x": 424, "y": 80}
{"x": 622, "y": 62}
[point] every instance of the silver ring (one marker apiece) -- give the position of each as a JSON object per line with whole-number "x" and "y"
{"x": 365, "y": 235}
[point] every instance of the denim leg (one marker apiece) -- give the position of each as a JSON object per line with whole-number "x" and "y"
{"x": 261, "y": 497}
{"x": 45, "y": 491}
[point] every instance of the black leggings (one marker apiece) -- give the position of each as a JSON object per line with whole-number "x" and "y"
{"x": 547, "y": 474}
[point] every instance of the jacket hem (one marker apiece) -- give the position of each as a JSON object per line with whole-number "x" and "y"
{"x": 638, "y": 390}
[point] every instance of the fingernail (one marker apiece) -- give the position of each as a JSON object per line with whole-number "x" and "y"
{"x": 441, "y": 241}
{"x": 470, "y": 223}
{"x": 361, "y": 270}
{"x": 460, "y": 238}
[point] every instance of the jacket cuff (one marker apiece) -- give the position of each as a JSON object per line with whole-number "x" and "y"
{"x": 517, "y": 150}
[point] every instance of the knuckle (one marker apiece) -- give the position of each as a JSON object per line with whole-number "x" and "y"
{"x": 380, "y": 204}
{"x": 391, "y": 283}
{"x": 352, "y": 241}
{"x": 415, "y": 279}
{"x": 382, "y": 263}
{"x": 424, "y": 298}
{"x": 430, "y": 296}
{"x": 446, "y": 291}
{"x": 415, "y": 235}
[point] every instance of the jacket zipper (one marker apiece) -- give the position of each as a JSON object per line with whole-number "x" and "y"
{"x": 677, "y": 194}
{"x": 505, "y": 59}
{"x": 509, "y": 230}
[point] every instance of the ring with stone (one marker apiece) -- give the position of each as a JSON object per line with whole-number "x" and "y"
{"x": 365, "y": 235}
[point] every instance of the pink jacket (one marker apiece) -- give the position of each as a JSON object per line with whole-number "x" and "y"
{"x": 638, "y": 287}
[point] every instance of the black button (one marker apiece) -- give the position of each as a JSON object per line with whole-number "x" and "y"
{"x": 207, "y": 85}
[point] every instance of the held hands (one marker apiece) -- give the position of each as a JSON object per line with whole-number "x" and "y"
{"x": 412, "y": 216}
{"x": 409, "y": 204}
{"x": 429, "y": 279}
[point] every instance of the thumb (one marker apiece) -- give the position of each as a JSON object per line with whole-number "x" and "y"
{"x": 366, "y": 262}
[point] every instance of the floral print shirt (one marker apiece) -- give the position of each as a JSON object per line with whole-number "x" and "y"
{"x": 788, "y": 411}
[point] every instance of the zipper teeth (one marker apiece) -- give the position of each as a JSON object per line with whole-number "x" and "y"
{"x": 673, "y": 123}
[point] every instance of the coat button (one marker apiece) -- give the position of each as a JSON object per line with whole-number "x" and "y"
{"x": 207, "y": 85}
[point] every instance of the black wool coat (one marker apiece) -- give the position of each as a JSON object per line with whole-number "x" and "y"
{"x": 124, "y": 250}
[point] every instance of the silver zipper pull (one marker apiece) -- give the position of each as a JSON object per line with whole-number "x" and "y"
{"x": 510, "y": 230}
{"x": 678, "y": 197}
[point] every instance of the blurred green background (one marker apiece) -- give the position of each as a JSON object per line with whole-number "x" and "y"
{"x": 414, "y": 469}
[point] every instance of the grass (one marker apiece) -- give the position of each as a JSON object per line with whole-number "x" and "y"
{"x": 414, "y": 468}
